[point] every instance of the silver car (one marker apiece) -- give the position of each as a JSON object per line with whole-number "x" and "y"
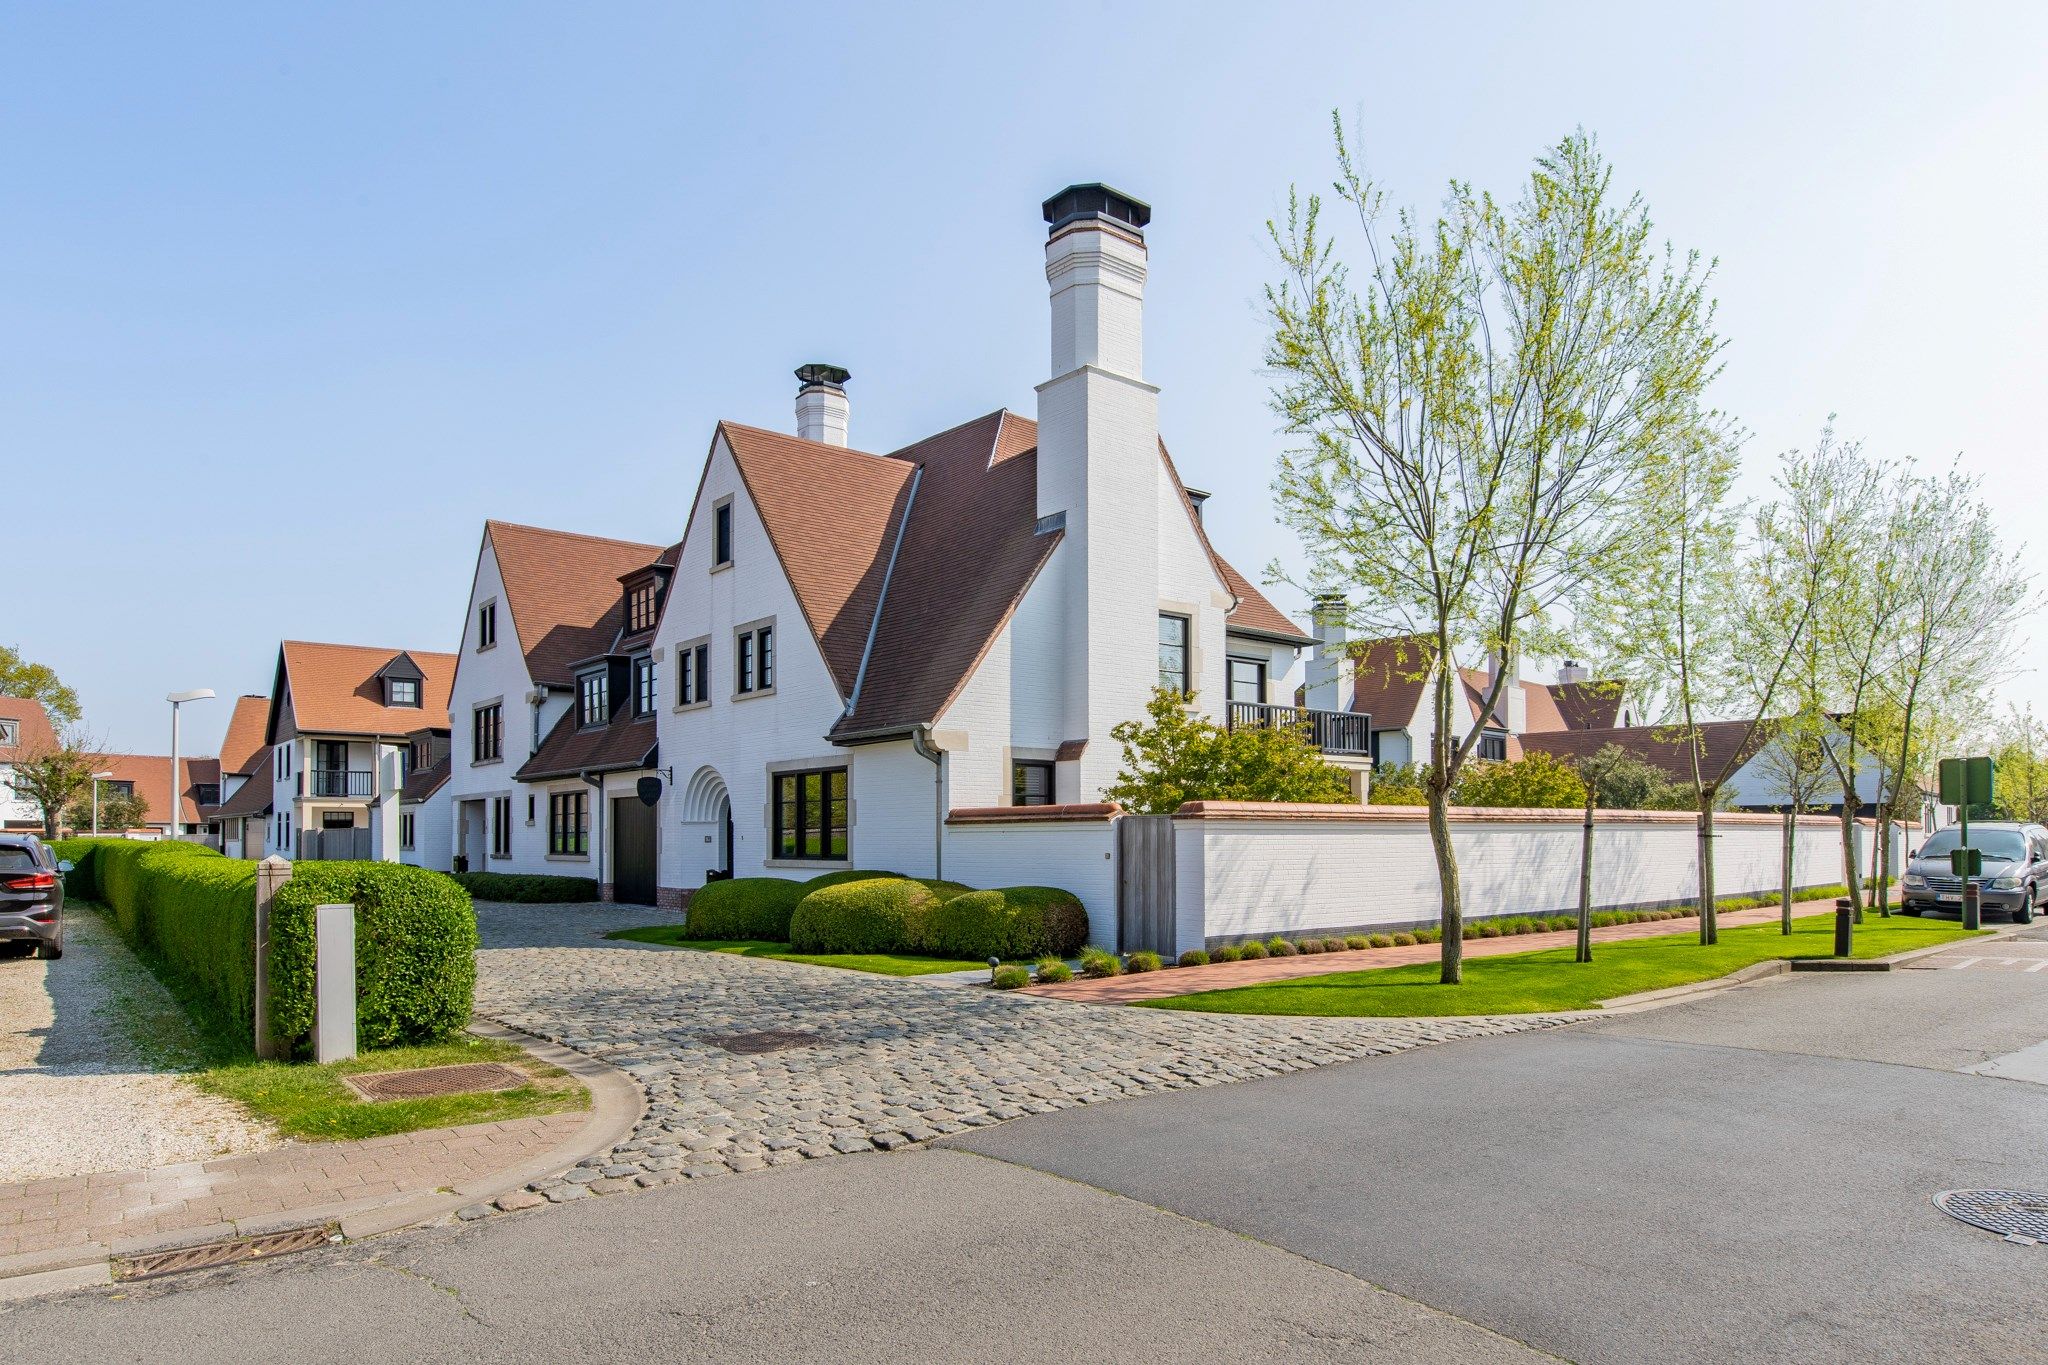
{"x": 31, "y": 897}
{"x": 2014, "y": 878}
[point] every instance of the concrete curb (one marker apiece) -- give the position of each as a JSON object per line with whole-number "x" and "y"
{"x": 616, "y": 1104}
{"x": 1671, "y": 995}
{"x": 1885, "y": 964}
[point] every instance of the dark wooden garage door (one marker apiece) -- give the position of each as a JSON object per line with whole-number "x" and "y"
{"x": 633, "y": 855}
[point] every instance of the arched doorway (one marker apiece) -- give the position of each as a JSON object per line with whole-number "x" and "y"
{"x": 706, "y": 810}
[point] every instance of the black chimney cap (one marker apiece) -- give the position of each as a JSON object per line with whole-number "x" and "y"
{"x": 831, "y": 376}
{"x": 1077, "y": 202}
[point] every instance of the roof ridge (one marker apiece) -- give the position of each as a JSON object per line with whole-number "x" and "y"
{"x": 823, "y": 446}
{"x": 491, "y": 523}
{"x": 957, "y": 426}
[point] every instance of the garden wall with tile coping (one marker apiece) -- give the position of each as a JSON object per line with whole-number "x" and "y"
{"x": 1251, "y": 870}
{"x": 1070, "y": 847}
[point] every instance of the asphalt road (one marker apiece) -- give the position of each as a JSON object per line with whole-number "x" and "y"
{"x": 1745, "y": 1177}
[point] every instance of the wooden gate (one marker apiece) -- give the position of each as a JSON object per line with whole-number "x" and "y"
{"x": 633, "y": 851}
{"x": 1144, "y": 884}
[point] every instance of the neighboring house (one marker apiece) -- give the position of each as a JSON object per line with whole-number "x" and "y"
{"x": 25, "y": 732}
{"x": 552, "y": 696}
{"x": 337, "y": 731}
{"x": 857, "y": 646}
{"x": 1392, "y": 681}
{"x": 1756, "y": 781}
{"x": 425, "y": 813}
{"x": 244, "y": 808}
{"x": 149, "y": 776}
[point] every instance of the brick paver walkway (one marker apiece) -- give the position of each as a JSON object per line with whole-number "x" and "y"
{"x": 296, "y": 1184}
{"x": 1118, "y": 990}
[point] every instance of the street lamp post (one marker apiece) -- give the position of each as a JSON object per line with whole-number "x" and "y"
{"x": 97, "y": 778}
{"x": 178, "y": 699}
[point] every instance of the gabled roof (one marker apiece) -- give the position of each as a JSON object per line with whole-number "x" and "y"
{"x": 1664, "y": 747}
{"x": 1586, "y": 705}
{"x": 251, "y": 798}
{"x": 35, "y": 734}
{"x": 243, "y": 750}
{"x": 424, "y": 783}
{"x": 337, "y": 690}
{"x": 150, "y": 775}
{"x": 831, "y": 514}
{"x": 1254, "y": 613}
{"x": 570, "y": 750}
{"x": 1388, "y": 677}
{"x": 562, "y": 593}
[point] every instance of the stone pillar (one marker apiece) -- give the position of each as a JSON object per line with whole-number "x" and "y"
{"x": 271, "y": 873}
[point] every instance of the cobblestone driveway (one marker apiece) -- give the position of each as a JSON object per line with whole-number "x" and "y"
{"x": 887, "y": 1061}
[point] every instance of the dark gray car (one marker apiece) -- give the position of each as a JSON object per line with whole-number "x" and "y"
{"x": 2015, "y": 871}
{"x": 31, "y": 897}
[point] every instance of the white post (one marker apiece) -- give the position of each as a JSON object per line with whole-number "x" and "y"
{"x": 176, "y": 794}
{"x": 271, "y": 873}
{"x": 334, "y": 983}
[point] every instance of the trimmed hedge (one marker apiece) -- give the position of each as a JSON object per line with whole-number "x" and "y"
{"x": 527, "y": 888}
{"x": 83, "y": 854}
{"x": 415, "y": 950}
{"x": 184, "y": 904}
{"x": 874, "y": 915}
{"x": 744, "y": 907}
{"x": 1017, "y": 921}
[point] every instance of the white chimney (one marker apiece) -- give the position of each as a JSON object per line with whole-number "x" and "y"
{"x": 1098, "y": 463}
{"x": 1327, "y": 677}
{"x": 821, "y": 410}
{"x": 1572, "y": 671}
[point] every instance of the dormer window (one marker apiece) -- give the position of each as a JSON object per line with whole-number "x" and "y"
{"x": 643, "y": 685}
{"x": 592, "y": 699}
{"x": 402, "y": 691}
{"x": 10, "y": 733}
{"x": 641, "y": 609}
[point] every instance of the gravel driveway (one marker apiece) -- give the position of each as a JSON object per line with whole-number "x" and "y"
{"x": 78, "y": 1093}
{"x": 852, "y": 1062}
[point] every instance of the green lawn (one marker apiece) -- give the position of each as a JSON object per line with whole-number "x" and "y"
{"x": 1527, "y": 983}
{"x": 881, "y": 964}
{"x": 308, "y": 1101}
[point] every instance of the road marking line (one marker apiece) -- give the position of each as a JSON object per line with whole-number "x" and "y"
{"x": 2037, "y": 966}
{"x": 1965, "y": 962}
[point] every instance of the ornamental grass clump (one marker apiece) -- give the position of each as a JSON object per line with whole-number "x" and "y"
{"x": 1143, "y": 962}
{"x": 1010, "y": 978}
{"x": 1280, "y": 947}
{"x": 1099, "y": 963}
{"x": 1404, "y": 940}
{"x": 1357, "y": 941}
{"x": 1229, "y": 952}
{"x": 1333, "y": 945}
{"x": 1051, "y": 971}
{"x": 1309, "y": 945}
{"x": 1194, "y": 957}
{"x": 1252, "y": 951}
{"x": 1380, "y": 941}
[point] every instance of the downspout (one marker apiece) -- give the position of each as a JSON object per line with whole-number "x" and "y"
{"x": 920, "y": 740}
{"x": 597, "y": 820}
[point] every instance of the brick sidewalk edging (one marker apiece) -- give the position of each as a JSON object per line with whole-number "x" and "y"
{"x": 62, "y": 1233}
{"x": 1217, "y": 976}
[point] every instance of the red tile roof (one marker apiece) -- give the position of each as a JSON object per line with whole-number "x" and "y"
{"x": 1254, "y": 613}
{"x": 1388, "y": 678}
{"x": 562, "y": 593}
{"x": 251, "y": 798}
{"x": 1724, "y": 745}
{"x": 1586, "y": 705}
{"x": 424, "y": 783}
{"x": 34, "y": 734}
{"x": 150, "y": 775}
{"x": 570, "y": 750}
{"x": 336, "y": 690}
{"x": 243, "y": 750}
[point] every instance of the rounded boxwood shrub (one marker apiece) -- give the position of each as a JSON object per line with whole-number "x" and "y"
{"x": 1051, "y": 971}
{"x": 1100, "y": 962}
{"x": 744, "y": 908}
{"x": 1280, "y": 947}
{"x": 874, "y": 915}
{"x": 1014, "y": 921}
{"x": 1010, "y": 978}
{"x": 1194, "y": 957}
{"x": 1143, "y": 962}
{"x": 1229, "y": 952}
{"x": 415, "y": 950}
{"x": 1252, "y": 951}
{"x": 841, "y": 877}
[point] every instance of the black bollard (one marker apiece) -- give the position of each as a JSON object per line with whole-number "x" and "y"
{"x": 1845, "y": 926}
{"x": 1973, "y": 905}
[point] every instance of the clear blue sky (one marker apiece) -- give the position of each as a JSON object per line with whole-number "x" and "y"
{"x": 293, "y": 297}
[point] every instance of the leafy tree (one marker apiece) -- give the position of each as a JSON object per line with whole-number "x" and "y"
{"x": 1399, "y": 784}
{"x": 119, "y": 809}
{"x": 20, "y": 677}
{"x": 2022, "y": 758}
{"x": 51, "y": 775}
{"x": 1176, "y": 755}
{"x": 1536, "y": 781}
{"x": 1475, "y": 411}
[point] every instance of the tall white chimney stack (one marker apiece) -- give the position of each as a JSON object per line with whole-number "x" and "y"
{"x": 1099, "y": 465}
{"x": 1327, "y": 677}
{"x": 821, "y": 409}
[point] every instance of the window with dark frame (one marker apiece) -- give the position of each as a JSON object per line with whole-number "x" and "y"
{"x": 568, "y": 824}
{"x": 640, "y": 614}
{"x": 592, "y": 703}
{"x": 693, "y": 674}
{"x": 1173, "y": 653}
{"x": 487, "y": 625}
{"x": 644, "y": 684}
{"x": 405, "y": 829}
{"x": 501, "y": 827}
{"x": 337, "y": 819}
{"x": 1031, "y": 783}
{"x": 487, "y": 733}
{"x": 402, "y": 691}
{"x": 754, "y": 660}
{"x": 810, "y": 814}
{"x": 206, "y": 793}
{"x": 721, "y": 535}
{"x": 1493, "y": 745}
{"x": 1247, "y": 680}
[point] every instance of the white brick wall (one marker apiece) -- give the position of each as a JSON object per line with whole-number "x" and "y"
{"x": 1076, "y": 857}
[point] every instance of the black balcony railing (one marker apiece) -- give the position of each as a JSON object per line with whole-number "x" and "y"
{"x": 1333, "y": 732}
{"x": 343, "y": 782}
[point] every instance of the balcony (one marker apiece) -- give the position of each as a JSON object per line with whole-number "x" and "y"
{"x": 1333, "y": 732}
{"x": 343, "y": 782}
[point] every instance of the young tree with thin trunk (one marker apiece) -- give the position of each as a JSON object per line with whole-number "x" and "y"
{"x": 1477, "y": 404}
{"x": 50, "y": 776}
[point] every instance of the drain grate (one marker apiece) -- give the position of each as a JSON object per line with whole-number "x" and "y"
{"x": 767, "y": 1040}
{"x": 2016, "y": 1215}
{"x": 468, "y": 1078}
{"x": 214, "y": 1254}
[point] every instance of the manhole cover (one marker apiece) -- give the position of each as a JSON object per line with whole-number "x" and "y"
{"x": 768, "y": 1040}
{"x": 465, "y": 1079}
{"x": 214, "y": 1254}
{"x": 2016, "y": 1215}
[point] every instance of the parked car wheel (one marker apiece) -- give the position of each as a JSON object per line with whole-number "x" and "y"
{"x": 49, "y": 952}
{"x": 2024, "y": 914}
